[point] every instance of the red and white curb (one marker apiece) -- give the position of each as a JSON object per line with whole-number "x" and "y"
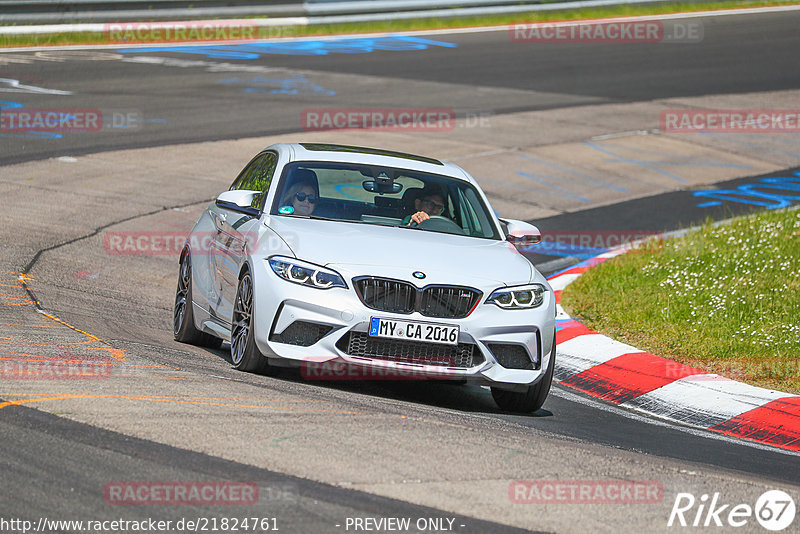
{"x": 624, "y": 375}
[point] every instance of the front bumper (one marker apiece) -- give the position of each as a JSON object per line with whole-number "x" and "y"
{"x": 281, "y": 306}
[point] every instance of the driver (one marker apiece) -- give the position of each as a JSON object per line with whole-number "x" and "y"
{"x": 431, "y": 201}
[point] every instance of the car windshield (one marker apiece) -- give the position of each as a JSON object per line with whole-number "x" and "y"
{"x": 387, "y": 196}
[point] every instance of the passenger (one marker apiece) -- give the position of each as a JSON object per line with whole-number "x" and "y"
{"x": 431, "y": 201}
{"x": 303, "y": 194}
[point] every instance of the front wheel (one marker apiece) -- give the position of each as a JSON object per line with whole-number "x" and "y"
{"x": 244, "y": 352}
{"x": 533, "y": 398}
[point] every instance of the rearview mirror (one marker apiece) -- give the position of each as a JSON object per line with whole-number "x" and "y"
{"x": 521, "y": 234}
{"x": 381, "y": 188}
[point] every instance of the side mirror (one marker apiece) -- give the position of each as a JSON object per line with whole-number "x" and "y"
{"x": 521, "y": 234}
{"x": 238, "y": 200}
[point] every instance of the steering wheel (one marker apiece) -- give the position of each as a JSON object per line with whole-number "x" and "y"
{"x": 438, "y": 223}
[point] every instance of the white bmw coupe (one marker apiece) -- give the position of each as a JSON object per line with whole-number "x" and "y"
{"x": 372, "y": 259}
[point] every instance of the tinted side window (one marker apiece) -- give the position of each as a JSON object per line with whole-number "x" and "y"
{"x": 244, "y": 177}
{"x": 257, "y": 176}
{"x": 261, "y": 179}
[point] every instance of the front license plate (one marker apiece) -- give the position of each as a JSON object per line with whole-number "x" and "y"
{"x": 414, "y": 331}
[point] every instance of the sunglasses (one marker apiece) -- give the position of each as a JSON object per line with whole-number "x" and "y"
{"x": 302, "y": 196}
{"x": 434, "y": 205}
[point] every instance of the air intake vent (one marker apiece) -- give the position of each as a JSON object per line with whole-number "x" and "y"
{"x": 512, "y": 356}
{"x": 301, "y": 333}
{"x": 463, "y": 355}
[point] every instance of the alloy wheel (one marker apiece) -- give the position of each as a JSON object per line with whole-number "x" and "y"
{"x": 242, "y": 316}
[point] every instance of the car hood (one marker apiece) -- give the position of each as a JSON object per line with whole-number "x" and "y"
{"x": 366, "y": 249}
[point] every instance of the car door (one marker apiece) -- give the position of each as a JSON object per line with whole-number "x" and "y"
{"x": 237, "y": 230}
{"x": 215, "y": 251}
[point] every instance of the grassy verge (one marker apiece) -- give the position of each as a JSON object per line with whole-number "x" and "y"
{"x": 419, "y": 24}
{"x": 725, "y": 299}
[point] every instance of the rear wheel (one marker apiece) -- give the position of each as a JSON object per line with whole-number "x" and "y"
{"x": 183, "y": 327}
{"x": 532, "y": 399}
{"x": 244, "y": 352}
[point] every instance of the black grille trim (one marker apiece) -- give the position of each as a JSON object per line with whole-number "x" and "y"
{"x": 463, "y": 355}
{"x": 386, "y": 295}
{"x": 512, "y": 356}
{"x": 398, "y": 296}
{"x": 301, "y": 333}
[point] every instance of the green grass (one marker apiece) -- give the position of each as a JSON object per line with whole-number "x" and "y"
{"x": 725, "y": 299}
{"x": 419, "y": 24}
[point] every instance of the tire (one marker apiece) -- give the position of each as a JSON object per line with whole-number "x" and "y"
{"x": 244, "y": 352}
{"x": 183, "y": 328}
{"x": 531, "y": 400}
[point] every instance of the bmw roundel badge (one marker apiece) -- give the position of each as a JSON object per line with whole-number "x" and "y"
{"x": 418, "y": 274}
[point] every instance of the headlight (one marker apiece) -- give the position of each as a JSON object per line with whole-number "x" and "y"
{"x": 518, "y": 298}
{"x": 305, "y": 274}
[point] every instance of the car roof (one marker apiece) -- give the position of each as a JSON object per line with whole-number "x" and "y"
{"x": 372, "y": 156}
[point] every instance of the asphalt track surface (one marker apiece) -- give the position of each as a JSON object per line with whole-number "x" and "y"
{"x": 302, "y": 505}
{"x": 737, "y": 55}
{"x": 71, "y": 459}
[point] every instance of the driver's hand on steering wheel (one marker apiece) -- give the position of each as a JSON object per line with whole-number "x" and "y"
{"x": 418, "y": 217}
